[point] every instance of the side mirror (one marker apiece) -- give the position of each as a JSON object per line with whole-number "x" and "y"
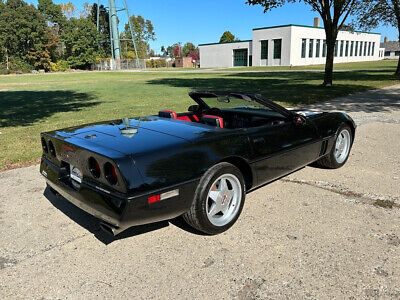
{"x": 193, "y": 108}
{"x": 299, "y": 119}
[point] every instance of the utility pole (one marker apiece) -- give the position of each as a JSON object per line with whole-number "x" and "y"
{"x": 114, "y": 32}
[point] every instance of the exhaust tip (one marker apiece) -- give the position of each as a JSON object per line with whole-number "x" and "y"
{"x": 111, "y": 230}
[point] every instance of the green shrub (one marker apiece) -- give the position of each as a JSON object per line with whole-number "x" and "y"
{"x": 156, "y": 63}
{"x": 60, "y": 66}
{"x": 5, "y": 72}
{"x": 17, "y": 64}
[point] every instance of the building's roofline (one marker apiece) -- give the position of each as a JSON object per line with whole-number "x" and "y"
{"x": 244, "y": 41}
{"x": 307, "y": 26}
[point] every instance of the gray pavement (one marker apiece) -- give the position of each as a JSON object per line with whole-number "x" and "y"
{"x": 315, "y": 234}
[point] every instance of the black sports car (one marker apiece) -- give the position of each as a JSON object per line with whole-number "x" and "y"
{"x": 199, "y": 164}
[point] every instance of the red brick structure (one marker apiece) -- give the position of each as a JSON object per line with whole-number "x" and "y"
{"x": 183, "y": 62}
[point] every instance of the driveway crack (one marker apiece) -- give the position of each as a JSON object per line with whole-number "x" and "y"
{"x": 380, "y": 201}
{"x": 13, "y": 262}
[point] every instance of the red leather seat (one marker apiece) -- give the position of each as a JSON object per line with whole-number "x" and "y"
{"x": 167, "y": 114}
{"x": 213, "y": 121}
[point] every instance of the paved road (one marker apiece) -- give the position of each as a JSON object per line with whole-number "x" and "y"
{"x": 315, "y": 234}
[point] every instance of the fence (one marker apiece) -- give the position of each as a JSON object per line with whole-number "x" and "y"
{"x": 123, "y": 64}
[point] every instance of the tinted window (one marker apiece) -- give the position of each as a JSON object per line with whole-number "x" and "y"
{"x": 317, "y": 49}
{"x": 264, "y": 49}
{"x": 303, "y": 48}
{"x": 277, "y": 49}
{"x": 341, "y": 48}
{"x": 311, "y": 49}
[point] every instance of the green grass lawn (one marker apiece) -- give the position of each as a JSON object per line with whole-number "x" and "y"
{"x": 387, "y": 64}
{"x": 30, "y": 104}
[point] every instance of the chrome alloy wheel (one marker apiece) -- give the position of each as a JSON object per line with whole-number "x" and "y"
{"x": 223, "y": 200}
{"x": 342, "y": 147}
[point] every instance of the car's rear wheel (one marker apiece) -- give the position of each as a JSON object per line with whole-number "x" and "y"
{"x": 218, "y": 201}
{"x": 340, "y": 151}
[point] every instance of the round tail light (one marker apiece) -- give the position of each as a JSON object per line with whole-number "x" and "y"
{"x": 52, "y": 149}
{"x": 44, "y": 146}
{"x": 94, "y": 167}
{"x": 111, "y": 173}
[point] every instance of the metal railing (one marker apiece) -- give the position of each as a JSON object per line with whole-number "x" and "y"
{"x": 114, "y": 65}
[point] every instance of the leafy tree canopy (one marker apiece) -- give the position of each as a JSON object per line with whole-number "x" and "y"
{"x": 187, "y": 48}
{"x": 24, "y": 35}
{"x": 51, "y": 12}
{"x": 227, "y": 37}
{"x": 143, "y": 33}
{"x": 81, "y": 42}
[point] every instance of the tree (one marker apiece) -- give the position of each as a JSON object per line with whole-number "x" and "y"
{"x": 177, "y": 51}
{"x": 171, "y": 50}
{"x": 104, "y": 29}
{"x": 143, "y": 33}
{"x": 81, "y": 42}
{"x": 227, "y": 37}
{"x": 163, "y": 51}
{"x": 52, "y": 12}
{"x": 24, "y": 36}
{"x": 187, "y": 48}
{"x": 68, "y": 10}
{"x": 375, "y": 12}
{"x": 333, "y": 13}
{"x": 194, "y": 54}
{"x": 86, "y": 10}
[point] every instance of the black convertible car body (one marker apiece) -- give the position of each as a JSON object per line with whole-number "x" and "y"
{"x": 199, "y": 164}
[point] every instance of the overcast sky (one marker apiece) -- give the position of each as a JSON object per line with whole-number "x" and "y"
{"x": 179, "y": 21}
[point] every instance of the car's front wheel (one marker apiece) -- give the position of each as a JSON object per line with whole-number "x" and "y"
{"x": 340, "y": 151}
{"x": 218, "y": 200}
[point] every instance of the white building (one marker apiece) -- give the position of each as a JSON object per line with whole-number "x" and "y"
{"x": 288, "y": 45}
{"x": 391, "y": 48}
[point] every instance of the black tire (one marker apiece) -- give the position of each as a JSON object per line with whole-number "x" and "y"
{"x": 329, "y": 161}
{"x": 197, "y": 215}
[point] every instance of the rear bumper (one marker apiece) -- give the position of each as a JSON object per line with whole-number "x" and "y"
{"x": 118, "y": 210}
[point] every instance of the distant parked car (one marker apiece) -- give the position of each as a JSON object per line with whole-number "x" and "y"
{"x": 199, "y": 163}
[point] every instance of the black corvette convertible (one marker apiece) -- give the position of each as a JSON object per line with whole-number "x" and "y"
{"x": 199, "y": 163}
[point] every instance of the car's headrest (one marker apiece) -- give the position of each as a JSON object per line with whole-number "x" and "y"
{"x": 167, "y": 114}
{"x": 213, "y": 121}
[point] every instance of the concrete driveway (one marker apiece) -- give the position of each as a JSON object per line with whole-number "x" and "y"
{"x": 315, "y": 234}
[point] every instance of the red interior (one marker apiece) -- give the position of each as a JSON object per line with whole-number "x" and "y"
{"x": 191, "y": 117}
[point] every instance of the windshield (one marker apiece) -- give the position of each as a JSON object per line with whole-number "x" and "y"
{"x": 233, "y": 102}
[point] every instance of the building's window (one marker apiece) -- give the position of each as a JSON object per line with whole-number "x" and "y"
{"x": 311, "y": 49}
{"x": 356, "y": 50}
{"x": 318, "y": 47}
{"x": 369, "y": 48}
{"x": 303, "y": 48}
{"x": 396, "y": 53}
{"x": 264, "y": 49}
{"x": 365, "y": 48}
{"x": 373, "y": 49}
{"x": 347, "y": 48}
{"x": 387, "y": 53}
{"x": 341, "y": 48}
{"x": 336, "y": 47}
{"x": 324, "y": 48}
{"x": 351, "y": 48}
{"x": 277, "y": 49}
{"x": 361, "y": 44}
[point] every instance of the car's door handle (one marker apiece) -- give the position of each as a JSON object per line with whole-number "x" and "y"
{"x": 259, "y": 141}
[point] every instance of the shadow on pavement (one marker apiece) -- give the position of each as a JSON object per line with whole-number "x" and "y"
{"x": 91, "y": 223}
{"x": 380, "y": 100}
